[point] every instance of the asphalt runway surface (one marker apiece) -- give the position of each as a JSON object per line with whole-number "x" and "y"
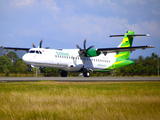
{"x": 77, "y": 79}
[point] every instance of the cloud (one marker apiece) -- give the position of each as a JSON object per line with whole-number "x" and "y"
{"x": 89, "y": 25}
{"x": 48, "y": 4}
{"x": 152, "y": 27}
{"x": 156, "y": 12}
{"x": 20, "y": 3}
{"x": 134, "y": 1}
{"x": 11, "y": 35}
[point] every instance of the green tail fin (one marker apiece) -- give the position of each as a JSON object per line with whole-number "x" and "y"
{"x": 126, "y": 42}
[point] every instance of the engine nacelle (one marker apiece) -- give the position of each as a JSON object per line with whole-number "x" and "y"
{"x": 92, "y": 53}
{"x": 73, "y": 67}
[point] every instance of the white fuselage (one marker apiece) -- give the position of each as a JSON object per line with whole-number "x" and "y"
{"x": 67, "y": 59}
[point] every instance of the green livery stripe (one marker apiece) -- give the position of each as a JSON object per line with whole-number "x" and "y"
{"x": 119, "y": 55}
{"x": 119, "y": 63}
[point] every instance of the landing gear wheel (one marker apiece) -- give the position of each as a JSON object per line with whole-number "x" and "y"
{"x": 85, "y": 74}
{"x": 63, "y": 73}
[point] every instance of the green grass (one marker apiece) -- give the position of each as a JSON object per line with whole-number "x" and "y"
{"x": 87, "y": 101}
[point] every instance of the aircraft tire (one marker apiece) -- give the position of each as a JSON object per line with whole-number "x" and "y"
{"x": 85, "y": 74}
{"x": 63, "y": 73}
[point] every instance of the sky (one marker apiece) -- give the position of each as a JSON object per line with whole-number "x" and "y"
{"x": 63, "y": 23}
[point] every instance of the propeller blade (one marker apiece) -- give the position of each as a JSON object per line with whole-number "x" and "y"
{"x": 90, "y": 47}
{"x": 40, "y": 44}
{"x": 33, "y": 45}
{"x": 78, "y": 47}
{"x": 85, "y": 44}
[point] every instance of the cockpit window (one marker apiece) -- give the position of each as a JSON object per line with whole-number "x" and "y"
{"x": 37, "y": 52}
{"x": 32, "y": 51}
{"x": 40, "y": 52}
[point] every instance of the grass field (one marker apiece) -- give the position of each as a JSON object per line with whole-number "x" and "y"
{"x": 77, "y": 100}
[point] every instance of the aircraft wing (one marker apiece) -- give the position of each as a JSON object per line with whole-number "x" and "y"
{"x": 118, "y": 49}
{"x": 16, "y": 48}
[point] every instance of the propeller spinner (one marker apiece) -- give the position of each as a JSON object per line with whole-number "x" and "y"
{"x": 84, "y": 51}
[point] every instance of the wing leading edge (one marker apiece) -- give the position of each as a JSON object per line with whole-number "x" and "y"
{"x": 16, "y": 48}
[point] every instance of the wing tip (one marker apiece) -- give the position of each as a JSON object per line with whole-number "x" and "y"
{"x": 151, "y": 46}
{"x": 148, "y": 35}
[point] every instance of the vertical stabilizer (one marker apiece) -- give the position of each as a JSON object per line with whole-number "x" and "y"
{"x": 126, "y": 42}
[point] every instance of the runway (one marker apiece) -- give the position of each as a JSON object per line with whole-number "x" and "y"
{"x": 77, "y": 79}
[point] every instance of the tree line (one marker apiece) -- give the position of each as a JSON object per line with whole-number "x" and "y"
{"x": 148, "y": 66}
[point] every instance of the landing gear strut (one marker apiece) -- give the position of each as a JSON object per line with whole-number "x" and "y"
{"x": 63, "y": 73}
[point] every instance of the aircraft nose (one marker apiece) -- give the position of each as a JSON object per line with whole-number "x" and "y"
{"x": 25, "y": 58}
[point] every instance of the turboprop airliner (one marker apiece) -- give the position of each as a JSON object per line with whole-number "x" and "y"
{"x": 83, "y": 60}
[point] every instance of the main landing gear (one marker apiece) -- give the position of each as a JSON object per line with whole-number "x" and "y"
{"x": 63, "y": 73}
{"x": 86, "y": 74}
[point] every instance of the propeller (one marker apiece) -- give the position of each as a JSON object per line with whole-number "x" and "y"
{"x": 40, "y": 45}
{"x": 84, "y": 51}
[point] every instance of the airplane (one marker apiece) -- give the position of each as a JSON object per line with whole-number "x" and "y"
{"x": 83, "y": 60}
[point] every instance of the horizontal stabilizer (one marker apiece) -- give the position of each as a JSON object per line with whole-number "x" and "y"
{"x": 130, "y": 35}
{"x": 116, "y": 36}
